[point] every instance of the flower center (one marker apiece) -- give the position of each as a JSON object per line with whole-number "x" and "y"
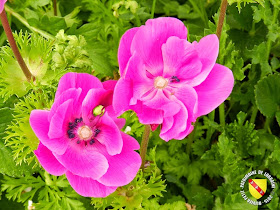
{"x": 84, "y": 132}
{"x": 160, "y": 82}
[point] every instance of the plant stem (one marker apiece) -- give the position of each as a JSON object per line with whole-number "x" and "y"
{"x": 24, "y": 22}
{"x": 221, "y": 18}
{"x": 153, "y": 9}
{"x": 254, "y": 114}
{"x": 54, "y": 7}
{"x": 14, "y": 47}
{"x": 269, "y": 42}
{"x": 144, "y": 144}
{"x": 222, "y": 114}
{"x": 190, "y": 141}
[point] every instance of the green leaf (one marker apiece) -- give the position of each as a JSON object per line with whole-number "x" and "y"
{"x": 267, "y": 95}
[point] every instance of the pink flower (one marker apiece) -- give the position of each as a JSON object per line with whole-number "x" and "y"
{"x": 2, "y": 3}
{"x": 80, "y": 137}
{"x": 167, "y": 80}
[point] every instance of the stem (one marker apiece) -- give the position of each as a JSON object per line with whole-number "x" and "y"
{"x": 210, "y": 131}
{"x": 190, "y": 141}
{"x": 269, "y": 42}
{"x": 254, "y": 114}
{"x": 144, "y": 144}
{"x": 221, "y": 18}
{"x": 14, "y": 47}
{"x": 54, "y": 8}
{"x": 24, "y": 22}
{"x": 222, "y": 114}
{"x": 153, "y": 9}
{"x": 267, "y": 125}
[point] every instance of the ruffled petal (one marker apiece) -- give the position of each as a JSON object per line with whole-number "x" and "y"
{"x": 207, "y": 49}
{"x": 59, "y": 122}
{"x": 88, "y": 187}
{"x": 48, "y": 161}
{"x": 214, "y": 90}
{"x": 148, "y": 115}
{"x": 124, "y": 49}
{"x": 71, "y": 93}
{"x": 122, "y": 96}
{"x": 77, "y": 80}
{"x": 148, "y": 40}
{"x": 109, "y": 84}
{"x": 180, "y": 59}
{"x": 123, "y": 167}
{"x": 109, "y": 135}
{"x": 40, "y": 125}
{"x": 83, "y": 162}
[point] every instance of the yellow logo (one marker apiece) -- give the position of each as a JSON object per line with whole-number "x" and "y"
{"x": 257, "y": 187}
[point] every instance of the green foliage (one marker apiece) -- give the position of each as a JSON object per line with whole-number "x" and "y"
{"x": 267, "y": 95}
{"x": 239, "y": 2}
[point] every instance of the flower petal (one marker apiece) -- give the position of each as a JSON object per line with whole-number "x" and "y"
{"x": 123, "y": 167}
{"x": 147, "y": 115}
{"x": 48, "y": 161}
{"x": 77, "y": 80}
{"x": 207, "y": 49}
{"x": 83, "y": 162}
{"x": 40, "y": 125}
{"x": 59, "y": 122}
{"x": 122, "y": 96}
{"x": 88, "y": 187}
{"x": 109, "y": 135}
{"x": 149, "y": 39}
{"x": 180, "y": 59}
{"x": 71, "y": 93}
{"x": 214, "y": 90}
{"x": 124, "y": 49}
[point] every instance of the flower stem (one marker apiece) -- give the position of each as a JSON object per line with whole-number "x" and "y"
{"x": 153, "y": 9}
{"x": 14, "y": 47}
{"x": 222, "y": 115}
{"x": 144, "y": 144}
{"x": 54, "y": 7}
{"x": 221, "y": 18}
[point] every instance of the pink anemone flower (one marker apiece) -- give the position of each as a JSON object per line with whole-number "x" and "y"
{"x": 167, "y": 80}
{"x": 80, "y": 137}
{"x": 2, "y": 3}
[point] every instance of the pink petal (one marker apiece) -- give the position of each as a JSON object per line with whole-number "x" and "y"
{"x": 59, "y": 122}
{"x": 180, "y": 59}
{"x": 179, "y": 125}
{"x": 40, "y": 125}
{"x": 110, "y": 135}
{"x": 154, "y": 126}
{"x": 207, "y": 49}
{"x": 109, "y": 84}
{"x": 123, "y": 167}
{"x": 88, "y": 187}
{"x": 83, "y": 162}
{"x": 122, "y": 96}
{"x": 92, "y": 100}
{"x": 48, "y": 161}
{"x": 147, "y": 115}
{"x": 214, "y": 90}
{"x": 124, "y": 49}
{"x": 148, "y": 40}
{"x": 120, "y": 122}
{"x": 77, "y": 80}
{"x": 2, "y": 2}
{"x": 71, "y": 93}
{"x": 188, "y": 96}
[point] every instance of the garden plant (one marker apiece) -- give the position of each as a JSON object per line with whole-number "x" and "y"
{"x": 140, "y": 104}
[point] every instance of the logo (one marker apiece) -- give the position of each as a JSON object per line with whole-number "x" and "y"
{"x": 258, "y": 187}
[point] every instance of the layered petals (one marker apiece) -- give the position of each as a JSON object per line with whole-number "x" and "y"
{"x": 167, "y": 80}
{"x": 80, "y": 137}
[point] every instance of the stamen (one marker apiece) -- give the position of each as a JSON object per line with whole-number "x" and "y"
{"x": 70, "y": 133}
{"x": 78, "y": 120}
{"x": 72, "y": 125}
{"x": 160, "y": 82}
{"x": 96, "y": 131}
{"x": 91, "y": 141}
{"x": 79, "y": 141}
{"x": 175, "y": 78}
